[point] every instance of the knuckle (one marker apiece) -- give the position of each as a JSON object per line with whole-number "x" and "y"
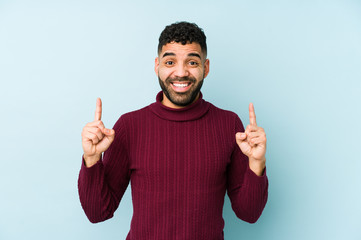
{"x": 89, "y": 124}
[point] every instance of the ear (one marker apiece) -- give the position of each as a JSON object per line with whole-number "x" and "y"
{"x": 156, "y": 65}
{"x": 206, "y": 68}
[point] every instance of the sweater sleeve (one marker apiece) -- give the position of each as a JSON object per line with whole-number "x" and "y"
{"x": 101, "y": 187}
{"x": 248, "y": 192}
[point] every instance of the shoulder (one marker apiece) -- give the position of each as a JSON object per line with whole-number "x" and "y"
{"x": 227, "y": 117}
{"x": 222, "y": 112}
{"x": 130, "y": 117}
{"x": 135, "y": 114}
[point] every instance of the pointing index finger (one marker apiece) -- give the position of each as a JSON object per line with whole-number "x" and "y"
{"x": 252, "y": 115}
{"x": 98, "y": 110}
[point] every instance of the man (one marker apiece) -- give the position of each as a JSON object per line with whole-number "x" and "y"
{"x": 181, "y": 153}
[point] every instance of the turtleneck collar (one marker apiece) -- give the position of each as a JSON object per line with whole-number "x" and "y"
{"x": 191, "y": 112}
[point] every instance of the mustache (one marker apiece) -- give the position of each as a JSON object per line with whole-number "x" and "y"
{"x": 180, "y": 79}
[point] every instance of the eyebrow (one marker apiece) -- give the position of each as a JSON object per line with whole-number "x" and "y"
{"x": 194, "y": 55}
{"x": 168, "y": 54}
{"x": 189, "y": 55}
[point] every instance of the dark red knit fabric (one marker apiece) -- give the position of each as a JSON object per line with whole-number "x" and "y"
{"x": 180, "y": 163}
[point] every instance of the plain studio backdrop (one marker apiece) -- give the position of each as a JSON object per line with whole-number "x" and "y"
{"x": 299, "y": 62}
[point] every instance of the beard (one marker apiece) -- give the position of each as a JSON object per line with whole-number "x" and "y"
{"x": 184, "y": 98}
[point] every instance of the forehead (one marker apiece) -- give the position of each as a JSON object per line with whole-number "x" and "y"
{"x": 181, "y": 50}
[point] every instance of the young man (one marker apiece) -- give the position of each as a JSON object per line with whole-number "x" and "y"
{"x": 181, "y": 153}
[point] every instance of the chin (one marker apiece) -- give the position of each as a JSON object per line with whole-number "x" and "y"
{"x": 181, "y": 99}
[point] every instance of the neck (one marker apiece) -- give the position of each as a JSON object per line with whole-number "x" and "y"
{"x": 166, "y": 102}
{"x": 191, "y": 112}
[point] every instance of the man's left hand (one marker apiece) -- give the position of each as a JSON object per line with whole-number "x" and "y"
{"x": 252, "y": 143}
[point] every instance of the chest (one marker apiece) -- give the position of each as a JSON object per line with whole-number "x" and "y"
{"x": 166, "y": 154}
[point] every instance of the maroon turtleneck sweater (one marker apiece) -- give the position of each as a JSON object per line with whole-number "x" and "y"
{"x": 180, "y": 163}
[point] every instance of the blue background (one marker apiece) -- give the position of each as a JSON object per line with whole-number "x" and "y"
{"x": 299, "y": 62}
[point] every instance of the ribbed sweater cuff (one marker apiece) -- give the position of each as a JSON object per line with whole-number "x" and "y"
{"x": 252, "y": 178}
{"x": 89, "y": 171}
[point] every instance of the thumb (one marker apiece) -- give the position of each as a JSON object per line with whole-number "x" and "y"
{"x": 109, "y": 133}
{"x": 242, "y": 143}
{"x": 240, "y": 137}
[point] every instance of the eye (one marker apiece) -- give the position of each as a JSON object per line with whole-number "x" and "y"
{"x": 169, "y": 63}
{"x": 193, "y": 63}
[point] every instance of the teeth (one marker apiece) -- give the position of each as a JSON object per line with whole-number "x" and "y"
{"x": 181, "y": 85}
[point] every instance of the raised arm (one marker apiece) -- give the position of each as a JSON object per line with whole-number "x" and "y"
{"x": 247, "y": 183}
{"x": 102, "y": 179}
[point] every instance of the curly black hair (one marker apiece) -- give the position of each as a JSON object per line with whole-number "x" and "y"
{"x": 183, "y": 32}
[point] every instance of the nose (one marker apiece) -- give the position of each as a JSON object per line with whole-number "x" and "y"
{"x": 181, "y": 70}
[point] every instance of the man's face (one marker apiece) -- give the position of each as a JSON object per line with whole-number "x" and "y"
{"x": 181, "y": 70}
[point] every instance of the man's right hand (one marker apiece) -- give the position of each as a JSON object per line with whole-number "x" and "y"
{"x": 95, "y": 137}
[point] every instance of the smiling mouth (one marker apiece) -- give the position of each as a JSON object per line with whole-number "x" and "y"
{"x": 181, "y": 86}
